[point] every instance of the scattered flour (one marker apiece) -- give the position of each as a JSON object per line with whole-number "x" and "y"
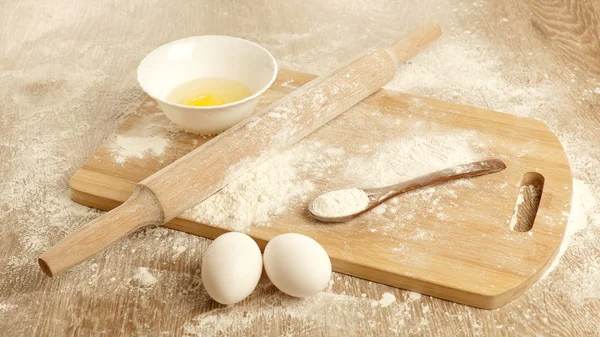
{"x": 380, "y": 209}
{"x": 143, "y": 277}
{"x": 125, "y": 147}
{"x": 584, "y": 211}
{"x": 532, "y": 193}
{"x": 410, "y": 156}
{"x": 468, "y": 71}
{"x": 464, "y": 183}
{"x": 335, "y": 151}
{"x": 288, "y": 84}
{"x": 340, "y": 203}
{"x": 357, "y": 314}
{"x": 6, "y": 307}
{"x": 387, "y": 299}
{"x": 414, "y": 296}
{"x": 440, "y": 72}
{"x": 178, "y": 251}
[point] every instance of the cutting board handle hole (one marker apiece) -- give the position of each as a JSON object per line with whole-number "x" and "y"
{"x": 528, "y": 201}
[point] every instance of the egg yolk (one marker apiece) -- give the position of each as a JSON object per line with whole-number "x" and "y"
{"x": 209, "y": 91}
{"x": 205, "y": 100}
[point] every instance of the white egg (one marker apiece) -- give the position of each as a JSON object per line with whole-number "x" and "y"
{"x": 231, "y": 267}
{"x": 297, "y": 264}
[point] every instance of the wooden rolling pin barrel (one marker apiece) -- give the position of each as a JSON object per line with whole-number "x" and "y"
{"x": 204, "y": 171}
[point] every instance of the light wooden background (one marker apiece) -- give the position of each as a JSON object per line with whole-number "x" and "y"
{"x": 68, "y": 80}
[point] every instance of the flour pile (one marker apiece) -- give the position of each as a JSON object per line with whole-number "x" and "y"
{"x": 257, "y": 195}
{"x": 143, "y": 277}
{"x": 125, "y": 147}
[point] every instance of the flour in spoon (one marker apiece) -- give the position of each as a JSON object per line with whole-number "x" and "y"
{"x": 340, "y": 203}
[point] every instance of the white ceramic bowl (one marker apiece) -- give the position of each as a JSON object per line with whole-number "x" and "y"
{"x": 195, "y": 57}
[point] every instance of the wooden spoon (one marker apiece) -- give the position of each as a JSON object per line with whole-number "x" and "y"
{"x": 380, "y": 195}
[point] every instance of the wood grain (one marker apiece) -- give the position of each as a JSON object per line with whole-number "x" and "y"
{"x": 570, "y": 26}
{"x": 69, "y": 75}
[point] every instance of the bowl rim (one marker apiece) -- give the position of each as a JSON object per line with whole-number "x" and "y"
{"x": 246, "y": 99}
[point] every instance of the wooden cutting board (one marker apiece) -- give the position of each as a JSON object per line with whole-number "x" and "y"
{"x": 454, "y": 241}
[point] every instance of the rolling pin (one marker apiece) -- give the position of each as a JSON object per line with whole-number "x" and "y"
{"x": 204, "y": 171}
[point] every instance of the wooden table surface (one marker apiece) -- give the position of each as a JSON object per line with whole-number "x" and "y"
{"x": 68, "y": 80}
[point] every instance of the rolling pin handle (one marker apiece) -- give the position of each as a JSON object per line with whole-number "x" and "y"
{"x": 140, "y": 210}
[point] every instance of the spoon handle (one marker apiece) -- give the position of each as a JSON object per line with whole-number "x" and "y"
{"x": 478, "y": 168}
